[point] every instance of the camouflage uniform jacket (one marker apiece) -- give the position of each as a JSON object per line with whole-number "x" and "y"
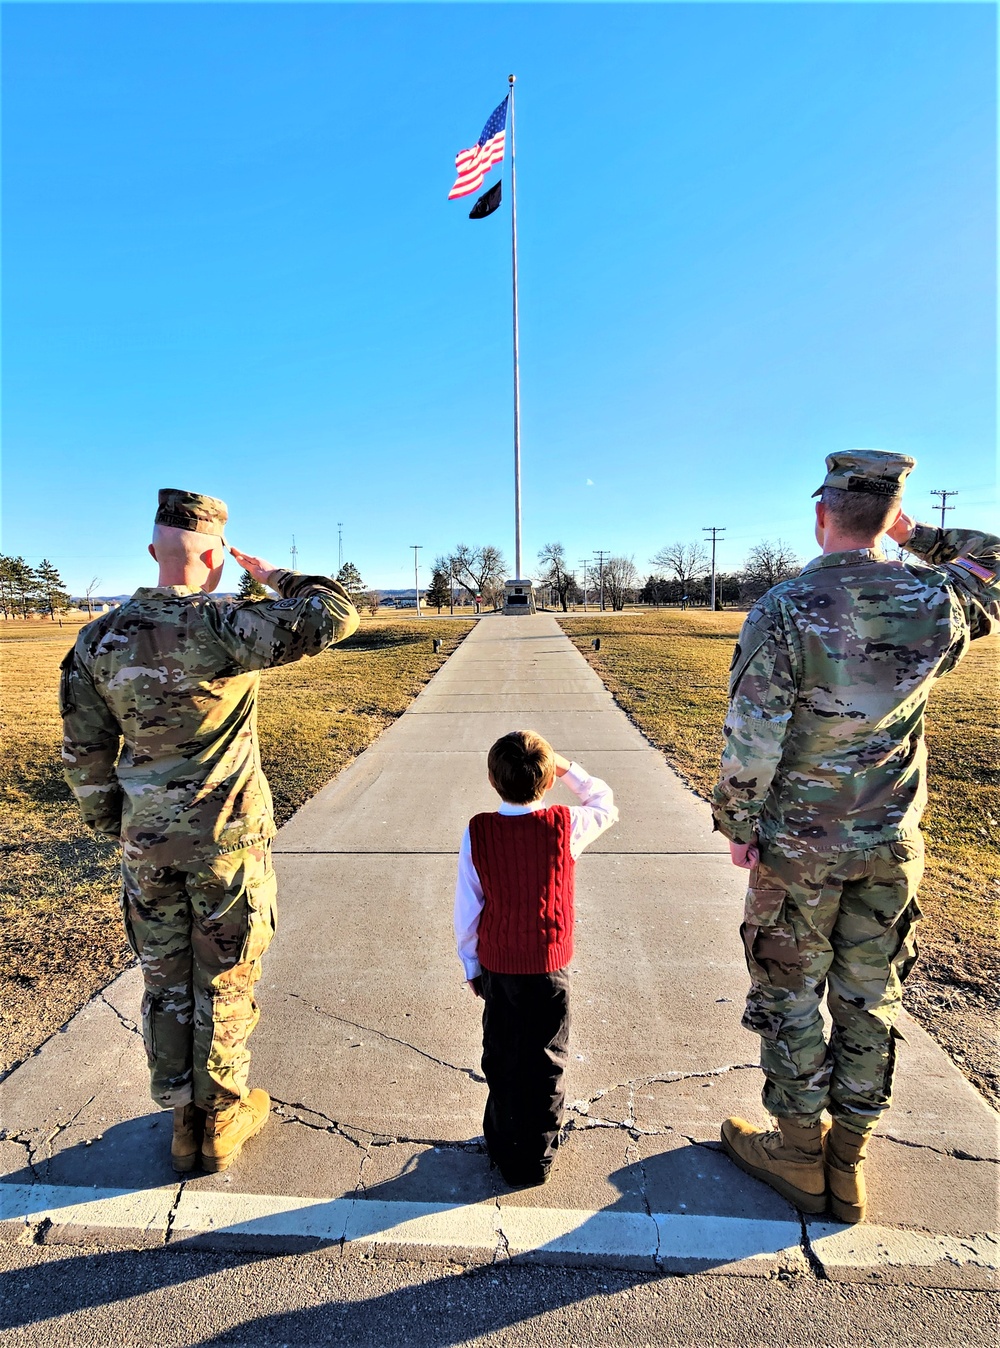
{"x": 824, "y": 738}
{"x": 174, "y": 673}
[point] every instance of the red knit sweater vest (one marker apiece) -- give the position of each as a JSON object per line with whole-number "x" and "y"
{"x": 526, "y": 870}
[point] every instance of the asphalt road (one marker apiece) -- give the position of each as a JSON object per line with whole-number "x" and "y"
{"x": 58, "y": 1297}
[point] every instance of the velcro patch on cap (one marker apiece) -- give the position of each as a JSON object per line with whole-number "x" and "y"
{"x": 877, "y": 486}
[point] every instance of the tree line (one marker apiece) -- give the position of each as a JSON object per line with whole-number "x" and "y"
{"x": 681, "y": 576}
{"x": 26, "y": 590}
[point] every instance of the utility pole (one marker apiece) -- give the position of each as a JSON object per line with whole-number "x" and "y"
{"x": 944, "y": 502}
{"x": 451, "y": 588}
{"x": 584, "y": 563}
{"x": 599, "y": 554}
{"x": 340, "y": 545}
{"x": 714, "y": 530}
{"x": 416, "y": 582}
{"x": 294, "y": 551}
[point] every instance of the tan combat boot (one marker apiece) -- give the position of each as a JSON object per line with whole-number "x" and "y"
{"x": 226, "y": 1130}
{"x": 845, "y": 1174}
{"x": 189, "y": 1124}
{"x": 790, "y": 1160}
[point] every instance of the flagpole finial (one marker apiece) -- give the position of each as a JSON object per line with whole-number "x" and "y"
{"x": 511, "y": 79}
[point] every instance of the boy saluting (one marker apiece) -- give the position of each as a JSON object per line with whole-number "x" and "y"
{"x": 514, "y": 929}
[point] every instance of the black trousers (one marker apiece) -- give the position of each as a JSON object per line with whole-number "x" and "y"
{"x": 525, "y": 1046}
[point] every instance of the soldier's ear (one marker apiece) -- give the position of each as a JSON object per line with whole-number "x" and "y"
{"x": 152, "y": 552}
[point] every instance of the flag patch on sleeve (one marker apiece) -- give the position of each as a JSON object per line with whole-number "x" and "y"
{"x": 976, "y": 569}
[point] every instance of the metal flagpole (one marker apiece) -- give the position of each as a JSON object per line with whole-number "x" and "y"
{"x": 517, "y": 373}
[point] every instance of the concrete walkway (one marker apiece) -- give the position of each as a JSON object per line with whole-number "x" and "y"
{"x": 369, "y": 1041}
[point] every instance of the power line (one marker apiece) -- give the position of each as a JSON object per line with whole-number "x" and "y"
{"x": 599, "y": 554}
{"x": 416, "y": 581}
{"x": 585, "y": 563}
{"x": 944, "y": 502}
{"x": 714, "y": 530}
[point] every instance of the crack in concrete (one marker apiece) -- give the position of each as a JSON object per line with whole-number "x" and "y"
{"x": 172, "y": 1214}
{"x": 327, "y": 1126}
{"x": 22, "y": 1141}
{"x": 130, "y": 1025}
{"x": 369, "y": 1137}
{"x": 955, "y": 1154}
{"x": 61, "y": 1128}
{"x": 662, "y": 1078}
{"x": 502, "y": 1250}
{"x": 808, "y": 1253}
{"x": 390, "y": 1038}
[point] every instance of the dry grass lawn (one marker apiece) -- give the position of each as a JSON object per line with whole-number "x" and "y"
{"x": 62, "y": 936}
{"x": 669, "y": 671}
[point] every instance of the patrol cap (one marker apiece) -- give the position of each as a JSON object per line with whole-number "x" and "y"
{"x": 871, "y": 470}
{"x": 188, "y": 510}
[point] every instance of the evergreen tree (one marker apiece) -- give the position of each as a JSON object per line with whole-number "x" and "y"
{"x": 250, "y": 588}
{"x": 438, "y": 593}
{"x": 49, "y": 588}
{"x": 7, "y": 585}
{"x": 350, "y": 577}
{"x": 23, "y": 583}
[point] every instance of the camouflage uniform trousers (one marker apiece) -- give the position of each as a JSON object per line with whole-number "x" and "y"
{"x": 843, "y": 923}
{"x": 200, "y": 930}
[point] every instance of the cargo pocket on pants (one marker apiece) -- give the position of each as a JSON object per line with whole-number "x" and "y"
{"x": 262, "y": 919}
{"x": 772, "y": 953}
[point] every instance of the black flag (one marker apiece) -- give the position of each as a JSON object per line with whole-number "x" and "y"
{"x": 487, "y": 203}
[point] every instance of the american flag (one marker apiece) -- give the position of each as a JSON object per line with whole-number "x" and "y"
{"x": 473, "y": 165}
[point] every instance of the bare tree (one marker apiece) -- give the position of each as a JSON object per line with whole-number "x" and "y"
{"x": 619, "y": 581}
{"x": 89, "y": 594}
{"x": 553, "y": 573}
{"x": 686, "y": 562}
{"x": 767, "y": 564}
{"x": 481, "y": 571}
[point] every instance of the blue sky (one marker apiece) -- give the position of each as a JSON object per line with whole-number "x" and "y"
{"x": 749, "y": 235}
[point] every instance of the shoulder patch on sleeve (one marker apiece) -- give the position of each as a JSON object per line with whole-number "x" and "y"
{"x": 755, "y": 632}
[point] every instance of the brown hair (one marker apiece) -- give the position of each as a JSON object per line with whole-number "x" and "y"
{"x": 521, "y": 766}
{"x": 860, "y": 514}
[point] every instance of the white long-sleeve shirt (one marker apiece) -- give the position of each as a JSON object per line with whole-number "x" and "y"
{"x": 595, "y": 813}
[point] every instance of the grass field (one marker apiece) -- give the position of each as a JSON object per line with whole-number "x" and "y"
{"x": 62, "y": 934}
{"x": 669, "y": 671}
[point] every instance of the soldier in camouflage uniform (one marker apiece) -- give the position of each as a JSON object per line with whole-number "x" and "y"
{"x": 821, "y": 789}
{"x": 159, "y": 707}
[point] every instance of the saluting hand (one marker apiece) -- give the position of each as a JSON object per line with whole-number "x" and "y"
{"x": 260, "y": 570}
{"x": 902, "y": 529}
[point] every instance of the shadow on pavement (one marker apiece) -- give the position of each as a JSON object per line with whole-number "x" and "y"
{"x": 688, "y": 1179}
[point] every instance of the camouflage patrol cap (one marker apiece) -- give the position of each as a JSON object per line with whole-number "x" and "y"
{"x": 187, "y": 510}
{"x": 870, "y": 470}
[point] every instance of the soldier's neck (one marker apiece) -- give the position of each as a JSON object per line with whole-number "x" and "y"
{"x": 195, "y": 577}
{"x": 832, "y": 542}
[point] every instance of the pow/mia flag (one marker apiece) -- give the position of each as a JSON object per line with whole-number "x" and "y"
{"x": 487, "y": 203}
